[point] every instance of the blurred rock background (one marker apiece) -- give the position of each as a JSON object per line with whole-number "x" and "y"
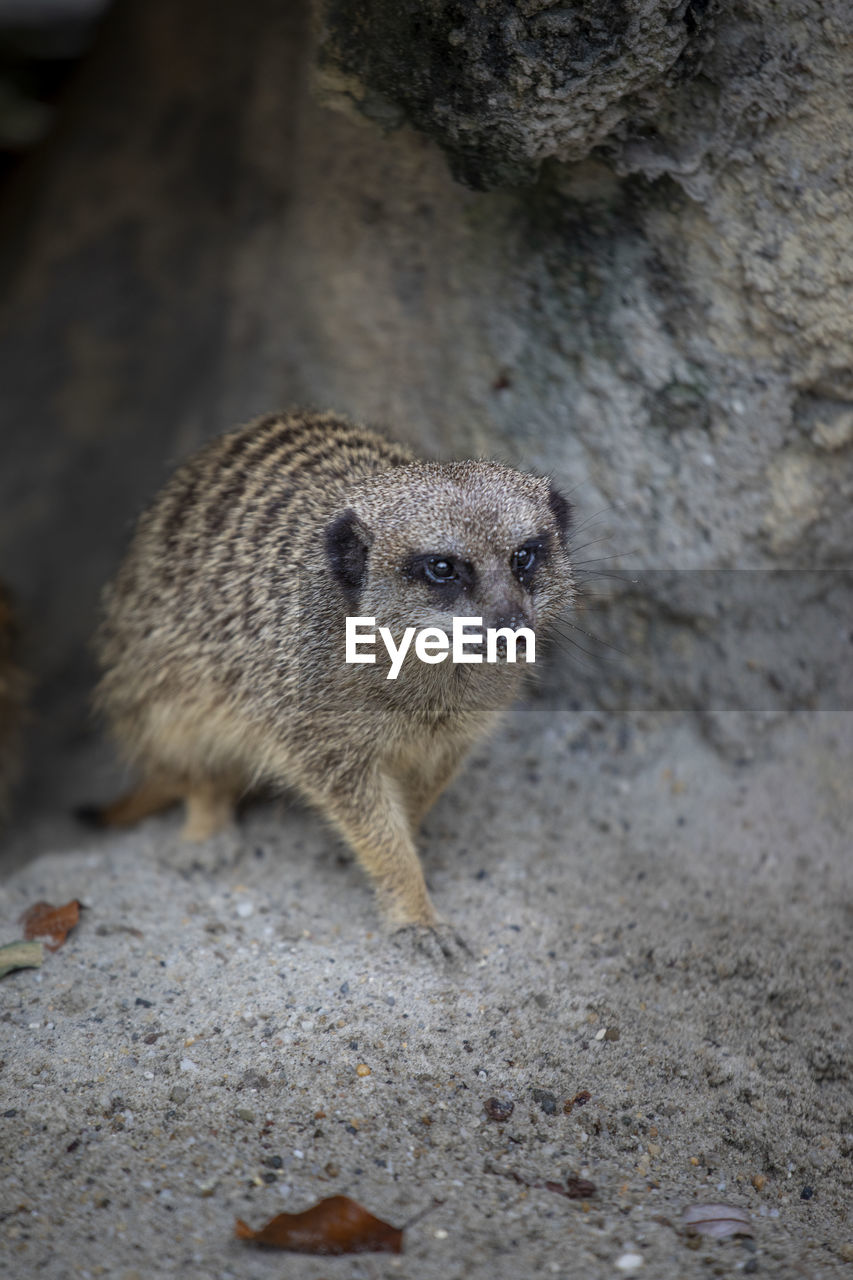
{"x": 608, "y": 241}
{"x": 40, "y": 43}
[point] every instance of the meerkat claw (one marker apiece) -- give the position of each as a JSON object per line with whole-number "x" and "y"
{"x": 217, "y": 853}
{"x": 439, "y": 943}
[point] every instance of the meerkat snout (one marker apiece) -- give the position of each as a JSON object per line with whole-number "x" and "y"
{"x": 223, "y": 644}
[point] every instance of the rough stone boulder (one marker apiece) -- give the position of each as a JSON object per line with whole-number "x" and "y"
{"x": 503, "y": 86}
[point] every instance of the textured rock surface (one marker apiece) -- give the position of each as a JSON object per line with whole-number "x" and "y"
{"x": 695, "y": 270}
{"x": 663, "y": 325}
{"x": 668, "y": 319}
{"x": 503, "y": 86}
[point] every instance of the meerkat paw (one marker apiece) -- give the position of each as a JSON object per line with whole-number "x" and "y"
{"x": 217, "y": 853}
{"x": 437, "y": 942}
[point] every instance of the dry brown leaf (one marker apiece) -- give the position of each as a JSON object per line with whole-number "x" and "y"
{"x": 332, "y": 1226}
{"x": 44, "y": 920}
{"x": 579, "y": 1100}
{"x": 575, "y": 1188}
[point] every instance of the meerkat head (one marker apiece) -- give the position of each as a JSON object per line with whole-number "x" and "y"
{"x": 420, "y": 544}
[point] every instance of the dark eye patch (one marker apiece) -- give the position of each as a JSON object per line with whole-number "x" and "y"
{"x": 529, "y": 557}
{"x": 446, "y": 575}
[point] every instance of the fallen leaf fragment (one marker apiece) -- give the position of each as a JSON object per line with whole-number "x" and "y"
{"x": 574, "y": 1189}
{"x": 579, "y": 1100}
{"x": 45, "y": 920}
{"x": 333, "y": 1226}
{"x": 578, "y": 1188}
{"x": 20, "y": 955}
{"x": 717, "y": 1220}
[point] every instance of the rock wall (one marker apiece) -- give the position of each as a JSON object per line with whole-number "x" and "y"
{"x": 610, "y": 241}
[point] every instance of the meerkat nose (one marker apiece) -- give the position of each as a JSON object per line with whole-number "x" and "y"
{"x": 510, "y": 616}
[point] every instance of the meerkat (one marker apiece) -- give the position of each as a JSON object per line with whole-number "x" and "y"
{"x": 13, "y": 689}
{"x": 223, "y": 637}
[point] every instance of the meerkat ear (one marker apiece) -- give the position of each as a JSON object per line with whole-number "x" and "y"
{"x": 561, "y": 509}
{"x": 347, "y": 543}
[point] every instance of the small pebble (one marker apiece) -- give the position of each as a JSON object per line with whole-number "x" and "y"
{"x": 807, "y": 1193}
{"x": 717, "y": 1220}
{"x": 187, "y": 1064}
{"x": 629, "y": 1261}
{"x": 546, "y": 1100}
{"x": 362, "y": 1069}
{"x": 245, "y": 909}
{"x": 498, "y": 1109}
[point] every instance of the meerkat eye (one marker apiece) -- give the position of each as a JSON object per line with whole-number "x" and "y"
{"x": 523, "y": 560}
{"x": 440, "y": 570}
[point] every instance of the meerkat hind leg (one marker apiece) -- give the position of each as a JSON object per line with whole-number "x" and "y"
{"x": 152, "y": 795}
{"x": 423, "y": 783}
{"x": 210, "y": 808}
{"x": 209, "y": 839}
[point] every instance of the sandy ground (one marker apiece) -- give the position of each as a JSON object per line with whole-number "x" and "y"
{"x": 650, "y": 924}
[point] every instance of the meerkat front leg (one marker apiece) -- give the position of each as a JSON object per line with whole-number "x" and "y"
{"x": 374, "y": 820}
{"x": 423, "y": 782}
